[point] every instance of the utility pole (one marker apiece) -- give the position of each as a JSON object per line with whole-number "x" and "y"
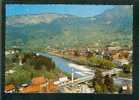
{"x": 72, "y": 77}
{"x": 20, "y": 60}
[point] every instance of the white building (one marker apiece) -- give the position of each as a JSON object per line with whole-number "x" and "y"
{"x": 114, "y": 48}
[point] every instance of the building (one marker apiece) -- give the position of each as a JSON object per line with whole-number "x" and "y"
{"x": 9, "y": 88}
{"x": 120, "y": 62}
{"x": 32, "y": 89}
{"x": 114, "y": 48}
{"x": 39, "y": 80}
{"x": 116, "y": 56}
{"x": 51, "y": 87}
{"x": 122, "y": 54}
{"x": 85, "y": 89}
{"x": 127, "y": 89}
{"x": 38, "y": 84}
{"x": 63, "y": 79}
{"x": 12, "y": 51}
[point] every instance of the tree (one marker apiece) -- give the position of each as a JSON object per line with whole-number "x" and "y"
{"x": 126, "y": 68}
{"x": 98, "y": 77}
{"x": 94, "y": 61}
{"x": 15, "y": 58}
{"x": 107, "y": 64}
{"x": 103, "y": 84}
{"x": 98, "y": 88}
{"x": 76, "y": 53}
{"x": 98, "y": 81}
{"x": 108, "y": 81}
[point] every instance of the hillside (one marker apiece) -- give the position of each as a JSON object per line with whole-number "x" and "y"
{"x": 63, "y": 30}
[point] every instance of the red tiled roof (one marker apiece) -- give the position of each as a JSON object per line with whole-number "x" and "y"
{"x": 31, "y": 89}
{"x": 38, "y": 80}
{"x": 9, "y": 87}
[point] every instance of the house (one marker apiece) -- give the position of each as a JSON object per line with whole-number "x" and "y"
{"x": 39, "y": 80}
{"x": 57, "y": 82}
{"x": 63, "y": 79}
{"x": 116, "y": 56}
{"x": 9, "y": 51}
{"x": 85, "y": 52}
{"x": 126, "y": 89}
{"x": 125, "y": 54}
{"x": 10, "y": 88}
{"x": 114, "y": 48}
{"x": 38, "y": 84}
{"x": 51, "y": 87}
{"x": 31, "y": 89}
{"x": 121, "y": 55}
{"x": 70, "y": 51}
{"x": 42, "y": 81}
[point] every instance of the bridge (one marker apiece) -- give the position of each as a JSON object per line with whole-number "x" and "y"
{"x": 77, "y": 81}
{"x": 88, "y": 77}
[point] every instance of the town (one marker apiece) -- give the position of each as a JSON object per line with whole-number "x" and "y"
{"x": 107, "y": 66}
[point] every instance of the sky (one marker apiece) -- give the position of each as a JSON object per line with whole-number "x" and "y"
{"x": 78, "y": 10}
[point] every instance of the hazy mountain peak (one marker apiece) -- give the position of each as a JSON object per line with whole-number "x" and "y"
{"x": 53, "y": 29}
{"x": 34, "y": 18}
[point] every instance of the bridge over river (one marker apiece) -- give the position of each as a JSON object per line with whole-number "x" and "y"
{"x": 118, "y": 80}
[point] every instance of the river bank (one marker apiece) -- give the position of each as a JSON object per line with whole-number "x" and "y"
{"x": 84, "y": 68}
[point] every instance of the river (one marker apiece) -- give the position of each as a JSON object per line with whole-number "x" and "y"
{"x": 67, "y": 66}
{"x": 79, "y": 70}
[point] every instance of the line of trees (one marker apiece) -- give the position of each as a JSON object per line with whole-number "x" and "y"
{"x": 101, "y": 63}
{"x": 39, "y": 61}
{"x": 94, "y": 61}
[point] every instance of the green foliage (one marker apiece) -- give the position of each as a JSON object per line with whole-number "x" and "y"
{"x": 19, "y": 76}
{"x": 103, "y": 84}
{"x": 82, "y": 59}
{"x": 40, "y": 61}
{"x": 102, "y": 63}
{"x": 98, "y": 77}
{"x": 108, "y": 81}
{"x": 98, "y": 81}
{"x": 126, "y": 68}
{"x": 98, "y": 88}
{"x": 123, "y": 74}
{"x": 24, "y": 74}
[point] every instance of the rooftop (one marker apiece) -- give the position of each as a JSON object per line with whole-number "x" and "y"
{"x": 31, "y": 89}
{"x": 9, "y": 87}
{"x": 39, "y": 80}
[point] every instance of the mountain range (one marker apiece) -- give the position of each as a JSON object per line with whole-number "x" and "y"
{"x": 65, "y": 30}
